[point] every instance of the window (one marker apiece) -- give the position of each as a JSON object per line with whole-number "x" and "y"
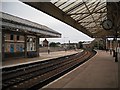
{"x": 18, "y": 37}
{"x": 17, "y": 47}
{"x": 11, "y": 37}
{"x": 11, "y": 48}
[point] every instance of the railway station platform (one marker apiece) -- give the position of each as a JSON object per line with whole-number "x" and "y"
{"x": 101, "y": 71}
{"x": 42, "y": 56}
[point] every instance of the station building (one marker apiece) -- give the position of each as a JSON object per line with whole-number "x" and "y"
{"x": 20, "y": 37}
{"x": 45, "y": 43}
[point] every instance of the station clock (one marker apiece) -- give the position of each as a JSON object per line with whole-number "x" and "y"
{"x": 107, "y": 24}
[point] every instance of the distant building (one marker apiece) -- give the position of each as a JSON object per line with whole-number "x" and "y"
{"x": 98, "y": 43}
{"x": 87, "y": 45}
{"x": 69, "y": 45}
{"x": 45, "y": 43}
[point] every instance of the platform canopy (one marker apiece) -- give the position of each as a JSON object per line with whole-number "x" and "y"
{"x": 84, "y": 15}
{"x": 13, "y": 23}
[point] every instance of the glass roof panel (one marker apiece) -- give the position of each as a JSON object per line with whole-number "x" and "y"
{"x": 65, "y": 5}
{"x": 87, "y": 20}
{"x": 71, "y": 6}
{"x": 60, "y": 2}
{"x": 89, "y": 16}
{"x": 78, "y": 10}
{"x": 86, "y": 17}
{"x": 91, "y": 25}
{"x": 96, "y": 15}
{"x": 53, "y": 1}
{"x": 86, "y": 24}
{"x": 75, "y": 9}
{"x": 81, "y": 9}
{"x": 100, "y": 7}
{"x": 75, "y": 16}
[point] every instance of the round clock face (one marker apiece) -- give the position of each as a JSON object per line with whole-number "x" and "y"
{"x": 107, "y": 24}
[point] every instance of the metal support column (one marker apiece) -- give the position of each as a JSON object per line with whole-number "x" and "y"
{"x": 0, "y": 45}
{"x": 25, "y": 46}
{"x": 116, "y": 44}
{"x": 1, "y": 57}
{"x": 111, "y": 47}
{"x": 114, "y": 47}
{"x": 3, "y": 45}
{"x": 116, "y": 29}
{"x": 37, "y": 45}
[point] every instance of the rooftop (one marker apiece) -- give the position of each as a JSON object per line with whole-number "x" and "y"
{"x": 10, "y": 21}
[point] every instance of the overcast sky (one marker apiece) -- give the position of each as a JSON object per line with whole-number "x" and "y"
{"x": 24, "y": 11}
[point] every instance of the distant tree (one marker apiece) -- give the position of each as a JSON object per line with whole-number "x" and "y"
{"x": 96, "y": 44}
{"x": 58, "y": 43}
{"x": 40, "y": 45}
{"x": 99, "y": 45}
{"x": 52, "y": 44}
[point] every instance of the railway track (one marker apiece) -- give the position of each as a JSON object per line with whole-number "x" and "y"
{"x": 36, "y": 75}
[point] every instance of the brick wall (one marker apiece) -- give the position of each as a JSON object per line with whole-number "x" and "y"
{"x": 18, "y": 44}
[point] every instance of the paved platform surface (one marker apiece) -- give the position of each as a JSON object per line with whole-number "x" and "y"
{"x": 99, "y": 72}
{"x": 43, "y": 56}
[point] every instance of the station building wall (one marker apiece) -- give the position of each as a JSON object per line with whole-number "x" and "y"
{"x": 14, "y": 45}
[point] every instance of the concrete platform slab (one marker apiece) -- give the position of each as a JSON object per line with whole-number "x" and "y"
{"x": 99, "y": 72}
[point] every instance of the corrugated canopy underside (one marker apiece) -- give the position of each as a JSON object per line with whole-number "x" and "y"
{"x": 84, "y": 15}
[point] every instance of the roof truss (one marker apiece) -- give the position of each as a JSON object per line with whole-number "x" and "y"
{"x": 84, "y": 16}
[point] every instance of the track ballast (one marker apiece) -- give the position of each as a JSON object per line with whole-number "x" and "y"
{"x": 36, "y": 75}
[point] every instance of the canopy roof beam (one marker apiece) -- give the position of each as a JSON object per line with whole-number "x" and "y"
{"x": 87, "y": 13}
{"x": 49, "y": 8}
{"x": 92, "y": 12}
{"x": 84, "y": 16}
{"x": 74, "y": 7}
{"x": 83, "y": 8}
{"x": 96, "y": 20}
